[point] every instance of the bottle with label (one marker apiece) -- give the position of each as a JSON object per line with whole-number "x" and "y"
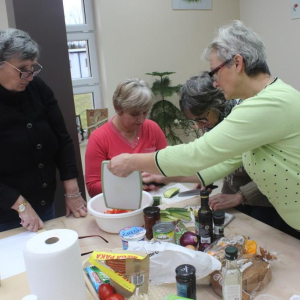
{"x": 232, "y": 276}
{"x": 219, "y": 220}
{"x": 186, "y": 281}
{"x": 205, "y": 219}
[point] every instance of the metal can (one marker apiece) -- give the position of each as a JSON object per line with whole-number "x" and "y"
{"x": 164, "y": 232}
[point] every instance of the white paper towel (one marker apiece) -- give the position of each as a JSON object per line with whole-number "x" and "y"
{"x": 53, "y": 266}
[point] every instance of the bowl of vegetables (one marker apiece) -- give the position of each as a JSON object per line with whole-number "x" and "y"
{"x": 113, "y": 220}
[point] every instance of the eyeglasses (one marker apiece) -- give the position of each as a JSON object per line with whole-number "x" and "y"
{"x": 202, "y": 120}
{"x": 213, "y": 72}
{"x": 27, "y": 74}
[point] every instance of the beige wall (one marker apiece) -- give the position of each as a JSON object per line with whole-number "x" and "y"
{"x": 271, "y": 19}
{"x": 140, "y": 36}
{"x": 3, "y": 15}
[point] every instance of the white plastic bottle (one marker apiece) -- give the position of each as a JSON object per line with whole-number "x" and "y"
{"x": 232, "y": 276}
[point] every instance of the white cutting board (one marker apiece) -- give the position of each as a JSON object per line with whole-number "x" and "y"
{"x": 174, "y": 199}
{"x": 121, "y": 192}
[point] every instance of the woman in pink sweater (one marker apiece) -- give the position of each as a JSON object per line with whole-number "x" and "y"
{"x": 129, "y": 131}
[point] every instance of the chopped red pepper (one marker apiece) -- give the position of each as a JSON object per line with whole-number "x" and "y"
{"x": 117, "y": 211}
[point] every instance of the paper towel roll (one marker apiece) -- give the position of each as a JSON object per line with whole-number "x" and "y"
{"x": 53, "y": 266}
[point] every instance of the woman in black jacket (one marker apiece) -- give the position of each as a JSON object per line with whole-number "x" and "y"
{"x": 34, "y": 140}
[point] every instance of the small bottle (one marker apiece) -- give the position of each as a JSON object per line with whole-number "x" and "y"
{"x": 151, "y": 216}
{"x": 219, "y": 220}
{"x": 232, "y": 276}
{"x": 205, "y": 220}
{"x": 186, "y": 281}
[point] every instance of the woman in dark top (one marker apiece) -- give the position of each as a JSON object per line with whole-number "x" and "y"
{"x": 34, "y": 140}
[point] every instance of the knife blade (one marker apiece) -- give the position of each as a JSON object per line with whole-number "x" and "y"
{"x": 195, "y": 192}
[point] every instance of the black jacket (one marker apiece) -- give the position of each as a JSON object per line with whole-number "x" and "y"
{"x": 33, "y": 142}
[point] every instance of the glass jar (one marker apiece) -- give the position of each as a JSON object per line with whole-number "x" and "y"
{"x": 219, "y": 220}
{"x": 186, "y": 281}
{"x": 151, "y": 216}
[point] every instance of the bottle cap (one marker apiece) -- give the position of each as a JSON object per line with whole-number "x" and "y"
{"x": 185, "y": 271}
{"x": 219, "y": 214}
{"x": 204, "y": 193}
{"x": 231, "y": 253}
{"x": 151, "y": 210}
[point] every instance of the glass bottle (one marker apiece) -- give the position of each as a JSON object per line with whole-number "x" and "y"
{"x": 219, "y": 220}
{"x": 205, "y": 220}
{"x": 151, "y": 216}
{"x": 232, "y": 276}
{"x": 186, "y": 281}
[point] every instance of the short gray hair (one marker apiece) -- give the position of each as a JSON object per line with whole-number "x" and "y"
{"x": 198, "y": 95}
{"x": 236, "y": 38}
{"x": 132, "y": 94}
{"x": 15, "y": 43}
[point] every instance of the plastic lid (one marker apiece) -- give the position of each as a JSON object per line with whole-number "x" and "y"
{"x": 151, "y": 210}
{"x": 219, "y": 214}
{"x": 231, "y": 253}
{"x": 185, "y": 271}
{"x": 119, "y": 192}
{"x": 132, "y": 233}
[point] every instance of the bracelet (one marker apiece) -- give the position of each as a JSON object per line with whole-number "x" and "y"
{"x": 243, "y": 199}
{"x": 73, "y": 195}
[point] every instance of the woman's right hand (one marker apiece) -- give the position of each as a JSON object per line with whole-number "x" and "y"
{"x": 147, "y": 177}
{"x": 29, "y": 218}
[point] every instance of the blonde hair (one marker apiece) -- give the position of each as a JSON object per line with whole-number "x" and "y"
{"x": 132, "y": 94}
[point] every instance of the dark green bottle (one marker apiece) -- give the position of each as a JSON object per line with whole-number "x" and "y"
{"x": 205, "y": 219}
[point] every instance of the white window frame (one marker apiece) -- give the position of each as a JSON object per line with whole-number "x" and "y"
{"x": 85, "y": 32}
{"x": 92, "y": 57}
{"x": 89, "y": 25}
{"x": 94, "y": 89}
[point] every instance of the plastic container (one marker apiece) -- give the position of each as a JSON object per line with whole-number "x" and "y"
{"x": 113, "y": 223}
{"x": 128, "y": 234}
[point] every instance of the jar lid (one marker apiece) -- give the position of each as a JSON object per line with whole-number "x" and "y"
{"x": 132, "y": 233}
{"x": 219, "y": 214}
{"x": 231, "y": 253}
{"x": 151, "y": 210}
{"x": 186, "y": 271}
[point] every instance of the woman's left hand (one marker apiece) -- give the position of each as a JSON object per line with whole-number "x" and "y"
{"x": 223, "y": 201}
{"x": 76, "y": 206}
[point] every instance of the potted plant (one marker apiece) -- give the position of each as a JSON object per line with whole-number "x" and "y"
{"x": 166, "y": 114}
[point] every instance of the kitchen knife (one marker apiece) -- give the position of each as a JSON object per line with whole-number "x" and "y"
{"x": 195, "y": 192}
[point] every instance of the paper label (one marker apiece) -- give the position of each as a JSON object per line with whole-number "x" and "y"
{"x": 121, "y": 280}
{"x": 109, "y": 256}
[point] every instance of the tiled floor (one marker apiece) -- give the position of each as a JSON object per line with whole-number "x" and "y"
{"x": 189, "y": 185}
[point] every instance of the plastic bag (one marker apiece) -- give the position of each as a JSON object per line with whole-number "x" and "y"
{"x": 217, "y": 248}
{"x": 166, "y": 257}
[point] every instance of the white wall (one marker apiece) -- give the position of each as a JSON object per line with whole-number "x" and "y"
{"x": 140, "y": 36}
{"x": 272, "y": 20}
{"x": 3, "y": 15}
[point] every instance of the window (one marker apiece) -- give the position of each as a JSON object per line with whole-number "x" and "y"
{"x": 82, "y": 56}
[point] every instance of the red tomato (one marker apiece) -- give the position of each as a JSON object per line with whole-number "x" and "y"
{"x": 105, "y": 290}
{"x": 115, "y": 297}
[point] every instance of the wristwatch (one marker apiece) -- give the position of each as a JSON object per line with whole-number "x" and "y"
{"x": 22, "y": 207}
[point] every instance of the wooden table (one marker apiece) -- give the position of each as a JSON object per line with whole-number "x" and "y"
{"x": 286, "y": 271}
